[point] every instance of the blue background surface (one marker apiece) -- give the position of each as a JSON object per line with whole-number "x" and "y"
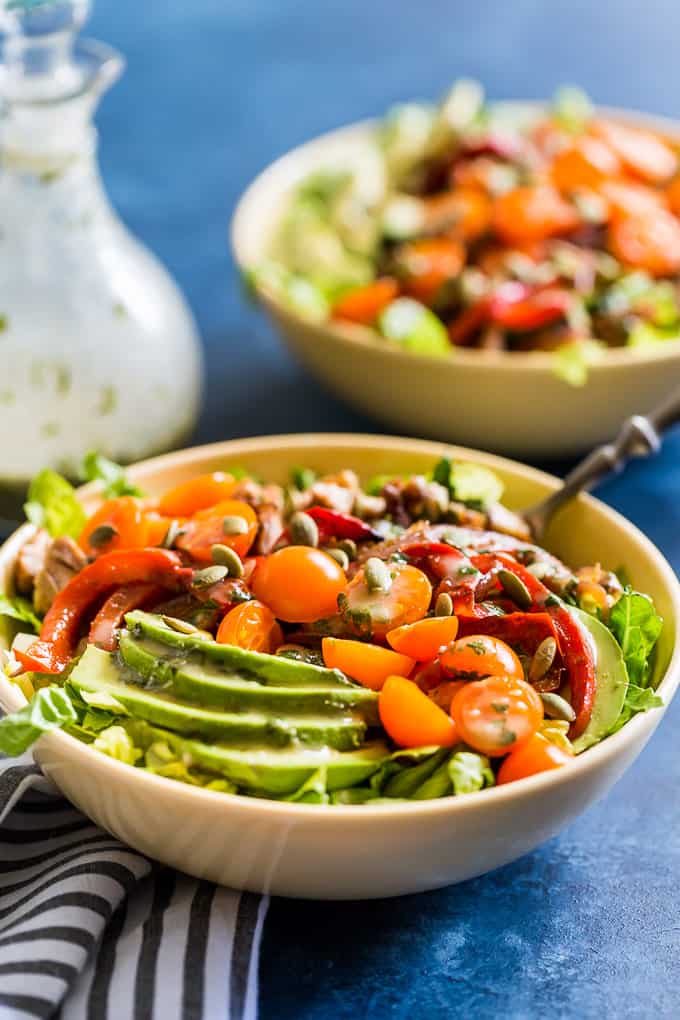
{"x": 589, "y": 925}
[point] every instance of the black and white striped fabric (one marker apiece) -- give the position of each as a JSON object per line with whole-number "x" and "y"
{"x": 91, "y": 930}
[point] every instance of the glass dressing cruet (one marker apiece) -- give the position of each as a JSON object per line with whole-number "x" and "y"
{"x": 98, "y": 348}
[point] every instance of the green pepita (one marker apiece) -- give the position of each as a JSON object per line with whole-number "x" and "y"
{"x": 556, "y": 707}
{"x": 544, "y": 656}
{"x": 227, "y": 560}
{"x": 339, "y": 555}
{"x": 349, "y": 547}
{"x": 377, "y": 575}
{"x": 181, "y": 626}
{"x": 210, "y": 575}
{"x": 102, "y": 535}
{"x": 515, "y": 589}
{"x": 234, "y": 525}
{"x": 171, "y": 535}
{"x": 444, "y": 605}
{"x": 303, "y": 529}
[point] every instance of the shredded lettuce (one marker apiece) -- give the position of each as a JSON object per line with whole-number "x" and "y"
{"x": 116, "y": 742}
{"x": 423, "y": 773}
{"x": 19, "y": 609}
{"x": 49, "y": 709}
{"x": 97, "y": 468}
{"x": 53, "y": 505}
{"x": 636, "y": 625}
{"x": 572, "y": 362}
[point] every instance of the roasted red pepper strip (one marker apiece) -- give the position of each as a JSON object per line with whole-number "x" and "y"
{"x": 123, "y": 600}
{"x": 575, "y": 649}
{"x": 63, "y": 622}
{"x": 440, "y": 559}
{"x": 515, "y": 306}
{"x": 335, "y": 524}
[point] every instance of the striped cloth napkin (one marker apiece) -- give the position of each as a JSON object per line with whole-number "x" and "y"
{"x": 91, "y": 930}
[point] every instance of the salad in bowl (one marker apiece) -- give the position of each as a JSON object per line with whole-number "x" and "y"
{"x": 334, "y": 639}
{"x": 504, "y": 227}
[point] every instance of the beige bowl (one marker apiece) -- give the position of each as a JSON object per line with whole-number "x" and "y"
{"x": 361, "y": 851}
{"x": 508, "y": 402}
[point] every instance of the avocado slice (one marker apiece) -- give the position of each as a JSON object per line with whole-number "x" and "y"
{"x": 274, "y": 670}
{"x": 611, "y": 680}
{"x": 266, "y": 771}
{"x": 98, "y": 672}
{"x": 194, "y": 678}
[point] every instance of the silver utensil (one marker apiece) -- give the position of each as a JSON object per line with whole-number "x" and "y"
{"x": 639, "y": 436}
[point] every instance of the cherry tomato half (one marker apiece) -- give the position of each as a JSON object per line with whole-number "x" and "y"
{"x": 197, "y": 494}
{"x": 251, "y": 625}
{"x": 496, "y": 715}
{"x": 423, "y": 640}
{"x": 538, "y": 754}
{"x": 532, "y": 214}
{"x": 377, "y": 612}
{"x": 427, "y": 264}
{"x": 584, "y": 165}
{"x": 649, "y": 241}
{"x": 481, "y": 655}
{"x": 206, "y": 529}
{"x": 299, "y": 584}
{"x": 127, "y": 529}
{"x": 412, "y": 719}
{"x": 368, "y": 664}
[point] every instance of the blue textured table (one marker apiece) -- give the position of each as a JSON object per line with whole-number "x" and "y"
{"x": 589, "y": 925}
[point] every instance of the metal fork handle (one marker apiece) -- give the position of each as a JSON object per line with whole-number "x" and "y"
{"x": 639, "y": 436}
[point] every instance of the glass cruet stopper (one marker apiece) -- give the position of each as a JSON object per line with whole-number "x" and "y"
{"x": 99, "y": 347}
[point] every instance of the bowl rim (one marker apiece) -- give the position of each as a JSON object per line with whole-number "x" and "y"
{"x": 586, "y": 763}
{"x": 356, "y": 336}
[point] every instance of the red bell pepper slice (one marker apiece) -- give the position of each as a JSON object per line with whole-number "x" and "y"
{"x": 515, "y": 306}
{"x": 335, "y": 524}
{"x": 63, "y": 622}
{"x": 462, "y": 329}
{"x": 111, "y": 615}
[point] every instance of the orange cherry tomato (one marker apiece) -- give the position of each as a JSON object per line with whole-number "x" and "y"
{"x": 673, "y": 196}
{"x": 538, "y": 754}
{"x": 427, "y": 264}
{"x": 412, "y": 719}
{"x": 205, "y": 529}
{"x": 443, "y": 694}
{"x": 364, "y": 304}
{"x": 642, "y": 153}
{"x": 377, "y": 612}
{"x": 481, "y": 655}
{"x": 496, "y": 715}
{"x": 197, "y": 494}
{"x": 251, "y": 625}
{"x": 123, "y": 515}
{"x": 299, "y": 584}
{"x": 584, "y": 164}
{"x": 157, "y": 527}
{"x": 532, "y": 214}
{"x": 463, "y": 213}
{"x": 369, "y": 665}
{"x": 650, "y": 241}
{"x": 423, "y": 640}
{"x": 628, "y": 199}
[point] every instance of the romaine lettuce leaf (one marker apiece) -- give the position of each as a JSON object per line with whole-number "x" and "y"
{"x": 49, "y": 709}
{"x": 19, "y": 609}
{"x": 53, "y": 505}
{"x": 470, "y": 772}
{"x": 116, "y": 742}
{"x": 97, "y": 468}
{"x": 636, "y": 625}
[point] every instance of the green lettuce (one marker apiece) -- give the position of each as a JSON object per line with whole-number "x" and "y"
{"x": 97, "y": 468}
{"x": 414, "y": 327}
{"x": 49, "y": 709}
{"x": 636, "y": 625}
{"x": 117, "y": 743}
{"x": 52, "y": 504}
{"x": 19, "y": 609}
{"x": 470, "y": 772}
{"x": 422, "y": 773}
{"x": 572, "y": 362}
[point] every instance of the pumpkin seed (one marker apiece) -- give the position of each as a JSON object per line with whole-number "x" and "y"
{"x": 227, "y": 560}
{"x": 377, "y": 575}
{"x": 171, "y": 535}
{"x": 515, "y": 589}
{"x": 102, "y": 535}
{"x": 235, "y": 525}
{"x": 303, "y": 529}
{"x": 349, "y": 547}
{"x": 339, "y": 555}
{"x": 543, "y": 659}
{"x": 556, "y": 707}
{"x": 540, "y": 569}
{"x": 444, "y": 605}
{"x": 181, "y": 626}
{"x": 209, "y": 575}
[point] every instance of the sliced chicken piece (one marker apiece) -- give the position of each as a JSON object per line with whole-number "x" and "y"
{"x": 64, "y": 559}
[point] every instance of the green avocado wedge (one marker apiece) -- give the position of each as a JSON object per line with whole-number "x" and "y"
{"x": 276, "y": 670}
{"x": 267, "y": 772}
{"x": 612, "y": 681}
{"x": 98, "y": 672}
{"x": 193, "y": 678}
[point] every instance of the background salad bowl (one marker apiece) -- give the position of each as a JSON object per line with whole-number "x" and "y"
{"x": 510, "y": 402}
{"x": 341, "y": 852}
